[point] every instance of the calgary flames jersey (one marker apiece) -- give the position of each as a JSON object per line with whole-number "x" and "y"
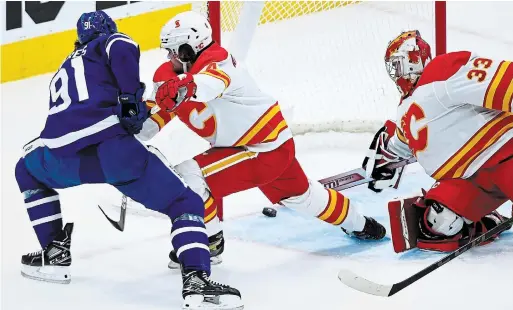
{"x": 229, "y": 109}
{"x": 458, "y": 116}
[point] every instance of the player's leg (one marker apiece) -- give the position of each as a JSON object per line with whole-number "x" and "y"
{"x": 456, "y": 210}
{"x": 146, "y": 177}
{"x": 223, "y": 171}
{"x": 44, "y": 211}
{"x": 33, "y": 174}
{"x": 191, "y": 172}
{"x": 450, "y": 214}
{"x": 294, "y": 190}
{"x": 499, "y": 171}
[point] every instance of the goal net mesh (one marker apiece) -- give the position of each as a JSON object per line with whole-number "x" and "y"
{"x": 323, "y": 60}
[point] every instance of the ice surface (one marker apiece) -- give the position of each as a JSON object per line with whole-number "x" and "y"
{"x": 287, "y": 262}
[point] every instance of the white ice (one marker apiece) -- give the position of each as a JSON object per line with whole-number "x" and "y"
{"x": 287, "y": 262}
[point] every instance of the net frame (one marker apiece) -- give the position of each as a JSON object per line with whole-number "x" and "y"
{"x": 367, "y": 114}
{"x": 213, "y": 11}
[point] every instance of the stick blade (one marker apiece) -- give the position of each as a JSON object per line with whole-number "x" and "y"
{"x": 361, "y": 284}
{"x": 119, "y": 226}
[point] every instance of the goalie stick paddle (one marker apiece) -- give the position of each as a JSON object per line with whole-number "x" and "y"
{"x": 356, "y": 282}
{"x": 350, "y": 179}
{"x": 119, "y": 225}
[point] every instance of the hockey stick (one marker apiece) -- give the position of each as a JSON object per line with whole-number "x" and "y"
{"x": 347, "y": 180}
{"x": 357, "y": 176}
{"x": 356, "y": 282}
{"x": 119, "y": 225}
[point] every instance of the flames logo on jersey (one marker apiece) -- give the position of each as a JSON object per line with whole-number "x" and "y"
{"x": 419, "y": 143}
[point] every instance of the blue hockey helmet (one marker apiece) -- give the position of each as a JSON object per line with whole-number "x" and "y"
{"x": 94, "y": 24}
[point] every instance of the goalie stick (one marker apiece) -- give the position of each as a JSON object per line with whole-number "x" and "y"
{"x": 361, "y": 284}
{"x": 357, "y": 176}
{"x": 351, "y": 178}
{"x": 119, "y": 225}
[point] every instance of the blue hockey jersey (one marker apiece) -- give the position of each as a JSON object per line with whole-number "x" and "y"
{"x": 84, "y": 93}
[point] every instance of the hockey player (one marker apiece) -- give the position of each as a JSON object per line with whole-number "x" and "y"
{"x": 252, "y": 145}
{"x": 96, "y": 108}
{"x": 455, "y": 118}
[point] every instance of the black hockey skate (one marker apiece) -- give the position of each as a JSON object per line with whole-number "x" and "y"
{"x": 199, "y": 292}
{"x": 371, "y": 231}
{"x": 51, "y": 264}
{"x": 216, "y": 245}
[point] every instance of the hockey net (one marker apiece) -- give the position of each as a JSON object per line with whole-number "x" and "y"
{"x": 322, "y": 60}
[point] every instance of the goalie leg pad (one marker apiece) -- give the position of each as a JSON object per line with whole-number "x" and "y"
{"x": 406, "y": 216}
{"x": 438, "y": 221}
{"x": 464, "y": 198}
{"x": 404, "y": 222}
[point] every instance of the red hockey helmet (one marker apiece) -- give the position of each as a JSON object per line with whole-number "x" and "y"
{"x": 405, "y": 59}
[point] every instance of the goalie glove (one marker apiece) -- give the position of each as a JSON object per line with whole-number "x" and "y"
{"x": 175, "y": 91}
{"x": 378, "y": 157}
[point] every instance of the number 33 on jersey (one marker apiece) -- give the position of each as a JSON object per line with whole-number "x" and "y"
{"x": 459, "y": 115}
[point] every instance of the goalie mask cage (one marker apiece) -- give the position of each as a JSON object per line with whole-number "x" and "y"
{"x": 323, "y": 60}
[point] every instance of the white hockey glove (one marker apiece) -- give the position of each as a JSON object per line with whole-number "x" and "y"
{"x": 378, "y": 157}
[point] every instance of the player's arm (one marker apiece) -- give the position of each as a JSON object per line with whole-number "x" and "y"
{"x": 208, "y": 84}
{"x": 211, "y": 83}
{"x": 386, "y": 148}
{"x": 157, "y": 117}
{"x": 123, "y": 56}
{"x": 398, "y": 144}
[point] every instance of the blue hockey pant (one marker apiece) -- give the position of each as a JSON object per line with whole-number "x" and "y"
{"x": 137, "y": 171}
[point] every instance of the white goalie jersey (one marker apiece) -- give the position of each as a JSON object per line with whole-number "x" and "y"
{"x": 458, "y": 116}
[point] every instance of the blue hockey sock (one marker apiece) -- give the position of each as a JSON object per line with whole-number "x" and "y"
{"x": 42, "y": 205}
{"x": 188, "y": 234}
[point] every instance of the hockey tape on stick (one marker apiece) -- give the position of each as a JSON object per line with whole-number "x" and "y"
{"x": 361, "y": 284}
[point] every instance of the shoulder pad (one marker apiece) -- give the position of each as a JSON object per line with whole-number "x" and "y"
{"x": 443, "y": 67}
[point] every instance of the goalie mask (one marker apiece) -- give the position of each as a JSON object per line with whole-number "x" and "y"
{"x": 185, "y": 36}
{"x": 405, "y": 60}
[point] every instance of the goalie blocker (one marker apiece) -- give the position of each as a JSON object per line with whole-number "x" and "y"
{"x": 424, "y": 222}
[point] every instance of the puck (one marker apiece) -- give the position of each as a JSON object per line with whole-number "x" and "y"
{"x": 270, "y": 212}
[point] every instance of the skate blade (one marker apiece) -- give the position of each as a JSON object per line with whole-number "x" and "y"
{"x": 225, "y": 302}
{"x": 52, "y": 274}
{"x": 214, "y": 260}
